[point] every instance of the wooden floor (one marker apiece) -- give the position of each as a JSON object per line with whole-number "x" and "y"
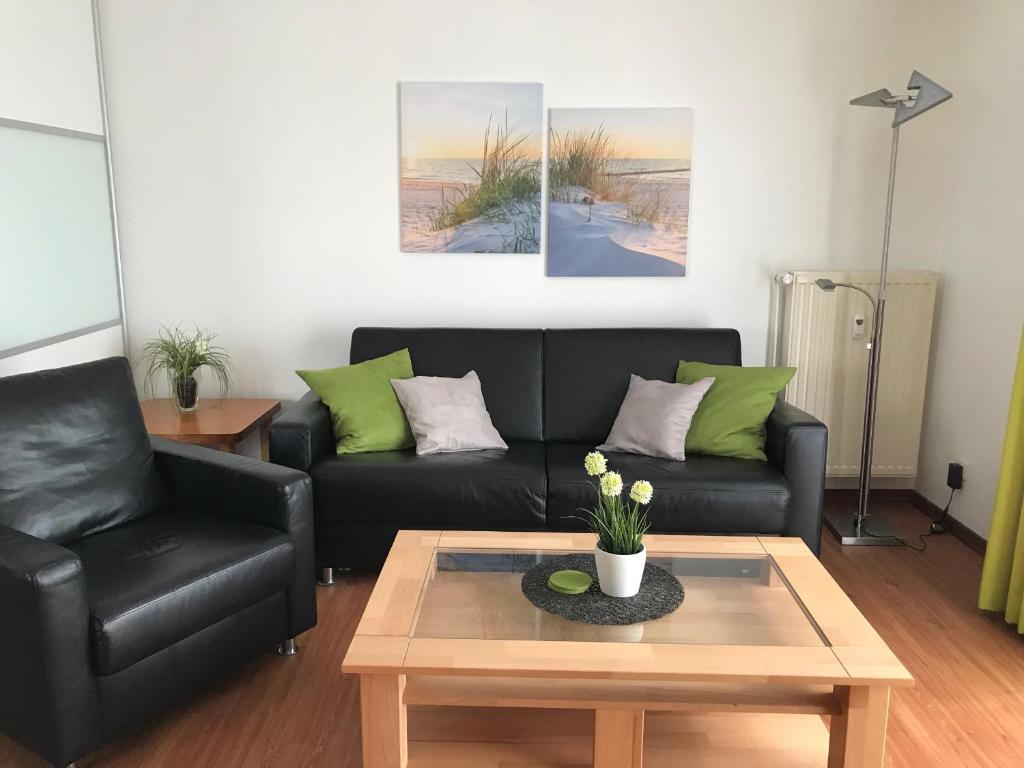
{"x": 967, "y": 709}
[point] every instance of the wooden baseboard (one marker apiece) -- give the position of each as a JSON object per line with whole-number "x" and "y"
{"x": 954, "y": 526}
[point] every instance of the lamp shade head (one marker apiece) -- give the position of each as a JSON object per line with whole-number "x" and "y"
{"x": 924, "y": 94}
{"x": 880, "y": 98}
{"x": 927, "y": 94}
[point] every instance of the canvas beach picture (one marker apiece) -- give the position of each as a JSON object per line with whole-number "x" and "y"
{"x": 471, "y": 167}
{"x": 619, "y": 192}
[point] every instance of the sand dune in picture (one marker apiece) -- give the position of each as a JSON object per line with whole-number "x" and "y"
{"x": 615, "y": 207}
{"x": 608, "y": 244}
{"x": 422, "y": 199}
{"x": 471, "y": 167}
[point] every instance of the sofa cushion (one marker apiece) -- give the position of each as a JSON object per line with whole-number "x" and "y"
{"x": 365, "y": 414}
{"x": 704, "y": 494}
{"x": 75, "y": 458}
{"x": 731, "y": 418}
{"x": 655, "y": 417}
{"x": 586, "y": 371}
{"x": 159, "y": 579}
{"x": 489, "y": 489}
{"x": 510, "y": 364}
{"x": 447, "y": 415}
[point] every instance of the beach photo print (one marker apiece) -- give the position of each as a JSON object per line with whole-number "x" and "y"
{"x": 619, "y": 192}
{"x": 471, "y": 167}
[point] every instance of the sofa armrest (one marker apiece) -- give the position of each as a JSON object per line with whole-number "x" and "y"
{"x": 49, "y": 700}
{"x": 796, "y": 445}
{"x": 301, "y": 433}
{"x": 246, "y": 490}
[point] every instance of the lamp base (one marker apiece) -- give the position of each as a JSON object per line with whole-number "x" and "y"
{"x": 844, "y": 527}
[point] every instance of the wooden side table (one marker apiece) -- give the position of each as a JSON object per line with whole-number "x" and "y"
{"x": 221, "y": 423}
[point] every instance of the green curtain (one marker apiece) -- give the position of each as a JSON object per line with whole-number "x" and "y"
{"x": 1002, "y": 579}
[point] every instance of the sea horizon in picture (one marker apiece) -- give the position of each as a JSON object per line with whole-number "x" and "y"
{"x": 619, "y": 192}
{"x": 471, "y": 167}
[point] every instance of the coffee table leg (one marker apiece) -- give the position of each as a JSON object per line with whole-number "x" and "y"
{"x": 385, "y": 735}
{"x": 857, "y": 736}
{"x": 618, "y": 738}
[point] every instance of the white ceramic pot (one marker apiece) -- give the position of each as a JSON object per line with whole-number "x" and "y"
{"x": 620, "y": 575}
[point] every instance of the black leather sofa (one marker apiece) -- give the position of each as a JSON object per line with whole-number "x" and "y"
{"x": 131, "y": 573}
{"x": 553, "y": 395}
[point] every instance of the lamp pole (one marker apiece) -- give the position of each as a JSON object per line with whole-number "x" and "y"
{"x": 867, "y": 449}
{"x": 924, "y": 94}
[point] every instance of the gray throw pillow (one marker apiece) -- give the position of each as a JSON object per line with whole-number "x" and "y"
{"x": 447, "y": 415}
{"x": 654, "y": 418}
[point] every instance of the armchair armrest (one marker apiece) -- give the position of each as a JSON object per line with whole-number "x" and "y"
{"x": 246, "y": 490}
{"x": 301, "y": 433}
{"x": 796, "y": 445}
{"x": 50, "y": 701}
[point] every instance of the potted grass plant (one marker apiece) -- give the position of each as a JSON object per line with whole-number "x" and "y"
{"x": 179, "y": 355}
{"x": 620, "y": 527}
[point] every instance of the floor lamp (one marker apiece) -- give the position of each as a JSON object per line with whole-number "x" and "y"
{"x": 854, "y": 529}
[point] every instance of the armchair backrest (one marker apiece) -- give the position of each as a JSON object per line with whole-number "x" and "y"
{"x": 75, "y": 458}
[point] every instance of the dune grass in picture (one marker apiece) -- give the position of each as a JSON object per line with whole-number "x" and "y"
{"x": 619, "y": 183}
{"x": 471, "y": 176}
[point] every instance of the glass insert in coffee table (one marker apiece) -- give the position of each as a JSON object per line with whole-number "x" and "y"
{"x": 730, "y": 600}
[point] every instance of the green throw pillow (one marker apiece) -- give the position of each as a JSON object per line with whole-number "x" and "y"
{"x": 730, "y": 419}
{"x": 364, "y": 409}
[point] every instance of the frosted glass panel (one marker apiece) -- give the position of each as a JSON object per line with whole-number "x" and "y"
{"x": 58, "y": 272}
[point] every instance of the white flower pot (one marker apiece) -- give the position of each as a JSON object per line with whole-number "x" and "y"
{"x": 620, "y": 575}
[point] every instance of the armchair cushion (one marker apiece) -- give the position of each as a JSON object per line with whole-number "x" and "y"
{"x": 166, "y": 576}
{"x": 240, "y": 489}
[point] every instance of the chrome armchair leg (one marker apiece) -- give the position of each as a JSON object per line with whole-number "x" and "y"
{"x": 288, "y": 648}
{"x": 326, "y": 577}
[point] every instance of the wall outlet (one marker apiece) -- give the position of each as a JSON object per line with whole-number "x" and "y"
{"x": 955, "y": 475}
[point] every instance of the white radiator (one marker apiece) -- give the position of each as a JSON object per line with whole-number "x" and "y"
{"x": 818, "y": 337}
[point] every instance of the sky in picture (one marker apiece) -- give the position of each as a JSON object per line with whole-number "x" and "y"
{"x": 636, "y": 133}
{"x": 448, "y": 120}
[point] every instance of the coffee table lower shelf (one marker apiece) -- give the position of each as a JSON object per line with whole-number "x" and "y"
{"x": 452, "y": 721}
{"x": 472, "y": 737}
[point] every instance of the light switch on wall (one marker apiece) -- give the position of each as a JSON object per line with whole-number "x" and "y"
{"x": 857, "y": 327}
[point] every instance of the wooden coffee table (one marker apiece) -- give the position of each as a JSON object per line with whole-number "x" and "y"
{"x": 221, "y": 423}
{"x": 457, "y": 668}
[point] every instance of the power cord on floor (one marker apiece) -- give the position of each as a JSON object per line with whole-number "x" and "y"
{"x": 938, "y": 526}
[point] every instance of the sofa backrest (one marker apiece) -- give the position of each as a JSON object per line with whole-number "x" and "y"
{"x": 586, "y": 371}
{"x": 75, "y": 458}
{"x": 510, "y": 364}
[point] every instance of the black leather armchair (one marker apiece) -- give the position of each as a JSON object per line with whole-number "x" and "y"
{"x": 132, "y": 572}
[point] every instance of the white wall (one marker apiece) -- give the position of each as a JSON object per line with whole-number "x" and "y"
{"x": 257, "y": 160}
{"x": 257, "y": 163}
{"x": 48, "y": 64}
{"x": 981, "y": 305}
{"x": 48, "y": 75}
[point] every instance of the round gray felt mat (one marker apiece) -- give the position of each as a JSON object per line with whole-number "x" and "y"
{"x": 660, "y": 594}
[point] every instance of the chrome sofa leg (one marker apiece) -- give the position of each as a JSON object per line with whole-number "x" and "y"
{"x": 326, "y": 577}
{"x": 288, "y": 648}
